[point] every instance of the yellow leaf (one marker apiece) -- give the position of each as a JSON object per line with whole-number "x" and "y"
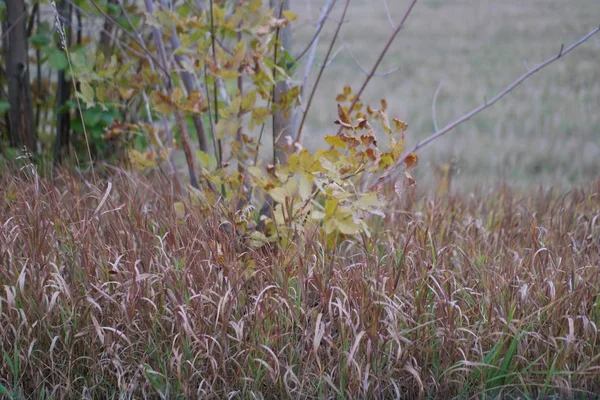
{"x": 86, "y": 93}
{"x": 179, "y": 208}
{"x": 335, "y": 141}
{"x": 177, "y": 95}
{"x": 318, "y": 215}
{"x": 290, "y": 15}
{"x": 142, "y": 160}
{"x": 291, "y": 187}
{"x": 258, "y": 239}
{"x": 347, "y": 226}
{"x": 331, "y": 206}
{"x": 305, "y": 186}
{"x": 278, "y": 194}
{"x": 398, "y": 150}
{"x": 369, "y": 200}
{"x": 343, "y": 114}
{"x": 386, "y": 160}
{"x": 385, "y": 122}
{"x": 260, "y": 115}
{"x": 248, "y": 101}
{"x": 195, "y": 103}
{"x": 227, "y": 74}
{"x": 399, "y": 126}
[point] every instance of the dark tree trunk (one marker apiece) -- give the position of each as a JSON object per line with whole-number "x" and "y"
{"x": 21, "y": 132}
{"x": 63, "y": 89}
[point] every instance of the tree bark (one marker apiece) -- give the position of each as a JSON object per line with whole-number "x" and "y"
{"x": 63, "y": 91}
{"x": 21, "y": 132}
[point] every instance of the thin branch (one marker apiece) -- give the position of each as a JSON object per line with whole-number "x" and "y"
{"x": 333, "y": 56}
{"x": 389, "y": 15}
{"x": 320, "y": 24}
{"x": 380, "y": 58}
{"x": 433, "y": 106}
{"x": 312, "y": 94}
{"x": 364, "y": 70}
{"x": 391, "y": 171}
{"x": 309, "y": 64}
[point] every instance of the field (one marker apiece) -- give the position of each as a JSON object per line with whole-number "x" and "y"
{"x": 545, "y": 132}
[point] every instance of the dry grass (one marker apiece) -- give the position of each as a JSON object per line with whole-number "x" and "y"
{"x": 546, "y": 132}
{"x": 483, "y": 295}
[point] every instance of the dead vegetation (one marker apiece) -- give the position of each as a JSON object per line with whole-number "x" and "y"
{"x": 491, "y": 294}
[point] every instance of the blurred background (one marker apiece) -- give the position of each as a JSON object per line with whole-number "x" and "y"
{"x": 546, "y": 132}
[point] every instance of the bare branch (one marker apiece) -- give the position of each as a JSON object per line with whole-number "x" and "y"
{"x": 433, "y": 105}
{"x": 380, "y": 58}
{"x": 364, "y": 70}
{"x": 320, "y": 23}
{"x": 333, "y": 56}
{"x": 309, "y": 63}
{"x": 389, "y": 16}
{"x": 393, "y": 170}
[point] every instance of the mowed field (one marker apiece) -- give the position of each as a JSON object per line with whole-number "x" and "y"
{"x": 545, "y": 132}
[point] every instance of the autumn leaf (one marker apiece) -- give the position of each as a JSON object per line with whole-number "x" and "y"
{"x": 335, "y": 141}
{"x": 289, "y": 15}
{"x": 344, "y": 117}
{"x": 385, "y": 123}
{"x": 398, "y": 150}
{"x": 260, "y": 115}
{"x": 399, "y": 126}
{"x": 411, "y": 160}
{"x": 179, "y": 208}
{"x": 195, "y": 103}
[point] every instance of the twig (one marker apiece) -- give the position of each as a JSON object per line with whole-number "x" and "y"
{"x": 389, "y": 15}
{"x": 333, "y": 56}
{"x": 380, "y": 58}
{"x": 378, "y": 74}
{"x": 391, "y": 171}
{"x": 433, "y": 106}
{"x": 320, "y": 23}
{"x": 309, "y": 63}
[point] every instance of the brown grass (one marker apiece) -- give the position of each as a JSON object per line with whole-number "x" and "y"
{"x": 487, "y": 295}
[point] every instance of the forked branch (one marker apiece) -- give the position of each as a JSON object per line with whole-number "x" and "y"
{"x": 391, "y": 173}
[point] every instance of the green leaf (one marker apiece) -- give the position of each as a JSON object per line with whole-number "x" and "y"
{"x": 57, "y": 59}
{"x": 86, "y": 93}
{"x": 39, "y": 40}
{"x": 4, "y": 390}
{"x": 4, "y": 106}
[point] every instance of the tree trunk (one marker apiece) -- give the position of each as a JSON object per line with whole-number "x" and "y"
{"x": 63, "y": 91}
{"x": 282, "y": 125}
{"x": 19, "y": 87}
